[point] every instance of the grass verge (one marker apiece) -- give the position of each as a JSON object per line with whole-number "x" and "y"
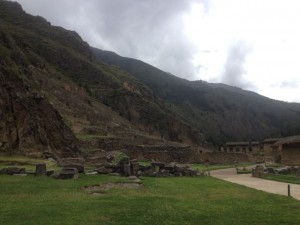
{"x": 291, "y": 178}
{"x": 25, "y": 162}
{"x": 204, "y": 167}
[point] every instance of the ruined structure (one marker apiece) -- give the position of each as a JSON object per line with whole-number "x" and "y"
{"x": 271, "y": 150}
{"x": 289, "y": 150}
{"x": 245, "y": 147}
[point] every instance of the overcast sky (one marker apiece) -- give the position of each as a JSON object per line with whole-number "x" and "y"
{"x": 252, "y": 44}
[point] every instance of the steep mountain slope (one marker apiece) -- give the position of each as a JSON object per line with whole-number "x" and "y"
{"x": 221, "y": 112}
{"x": 29, "y": 124}
{"x": 64, "y": 91}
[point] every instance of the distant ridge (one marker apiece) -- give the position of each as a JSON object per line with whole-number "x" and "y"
{"x": 222, "y": 112}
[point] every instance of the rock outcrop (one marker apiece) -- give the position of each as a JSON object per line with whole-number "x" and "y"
{"x": 29, "y": 123}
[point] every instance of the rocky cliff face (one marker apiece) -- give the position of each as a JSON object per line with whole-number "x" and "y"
{"x": 29, "y": 123}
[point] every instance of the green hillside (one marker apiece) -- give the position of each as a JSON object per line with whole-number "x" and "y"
{"x": 47, "y": 65}
{"x": 221, "y": 112}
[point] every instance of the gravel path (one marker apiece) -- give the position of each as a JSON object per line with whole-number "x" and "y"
{"x": 274, "y": 187}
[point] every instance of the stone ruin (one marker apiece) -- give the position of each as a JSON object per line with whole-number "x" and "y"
{"x": 119, "y": 163}
{"x": 68, "y": 173}
{"x": 158, "y": 169}
{"x": 116, "y": 163}
{"x": 13, "y": 171}
{"x": 124, "y": 167}
{"x": 260, "y": 170}
{"x": 40, "y": 169}
{"x": 128, "y": 167}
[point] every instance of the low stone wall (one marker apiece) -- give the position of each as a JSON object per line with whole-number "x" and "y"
{"x": 225, "y": 158}
{"x": 160, "y": 153}
{"x": 290, "y": 157}
{"x": 170, "y": 152}
{"x": 184, "y": 155}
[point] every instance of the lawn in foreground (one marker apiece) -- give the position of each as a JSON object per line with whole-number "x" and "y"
{"x": 204, "y": 200}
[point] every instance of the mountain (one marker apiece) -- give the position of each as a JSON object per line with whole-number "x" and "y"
{"x": 221, "y": 112}
{"x": 57, "y": 99}
{"x": 60, "y": 98}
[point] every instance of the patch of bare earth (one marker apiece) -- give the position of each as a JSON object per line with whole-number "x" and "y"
{"x": 103, "y": 188}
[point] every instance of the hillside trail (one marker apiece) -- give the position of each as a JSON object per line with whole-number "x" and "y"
{"x": 274, "y": 187}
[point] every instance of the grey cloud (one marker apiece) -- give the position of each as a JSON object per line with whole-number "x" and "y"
{"x": 234, "y": 69}
{"x": 150, "y": 30}
{"x": 289, "y": 84}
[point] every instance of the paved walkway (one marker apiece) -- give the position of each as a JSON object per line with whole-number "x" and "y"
{"x": 274, "y": 187}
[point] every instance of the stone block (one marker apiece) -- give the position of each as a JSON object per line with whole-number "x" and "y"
{"x": 104, "y": 170}
{"x": 13, "y": 170}
{"x": 78, "y": 166}
{"x": 68, "y": 173}
{"x": 50, "y": 173}
{"x": 177, "y": 174}
{"x": 40, "y": 169}
{"x": 135, "y": 168}
{"x": 126, "y": 169}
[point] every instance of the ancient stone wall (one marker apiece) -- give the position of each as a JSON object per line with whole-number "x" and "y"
{"x": 268, "y": 150}
{"x": 225, "y": 158}
{"x": 160, "y": 153}
{"x": 290, "y": 156}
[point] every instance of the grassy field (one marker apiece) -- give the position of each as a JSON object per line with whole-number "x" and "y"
{"x": 208, "y": 167}
{"x": 291, "y": 178}
{"x": 25, "y": 162}
{"x": 219, "y": 166}
{"x": 203, "y": 200}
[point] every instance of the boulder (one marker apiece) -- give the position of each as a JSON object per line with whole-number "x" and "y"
{"x": 178, "y": 168}
{"x": 50, "y": 173}
{"x": 171, "y": 168}
{"x": 134, "y": 179}
{"x": 68, "y": 173}
{"x": 104, "y": 170}
{"x": 177, "y": 174}
{"x": 283, "y": 170}
{"x": 258, "y": 171}
{"x": 13, "y": 170}
{"x": 164, "y": 173}
{"x": 78, "y": 166}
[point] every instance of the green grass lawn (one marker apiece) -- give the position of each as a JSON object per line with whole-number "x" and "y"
{"x": 207, "y": 167}
{"x": 291, "y": 178}
{"x": 219, "y": 166}
{"x": 25, "y": 162}
{"x": 178, "y": 200}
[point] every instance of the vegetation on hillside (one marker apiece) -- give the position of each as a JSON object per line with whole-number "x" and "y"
{"x": 99, "y": 93}
{"x": 90, "y": 97}
{"x": 221, "y": 112}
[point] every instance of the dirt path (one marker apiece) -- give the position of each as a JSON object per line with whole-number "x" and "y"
{"x": 256, "y": 183}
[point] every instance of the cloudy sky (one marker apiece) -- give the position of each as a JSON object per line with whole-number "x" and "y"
{"x": 252, "y": 44}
